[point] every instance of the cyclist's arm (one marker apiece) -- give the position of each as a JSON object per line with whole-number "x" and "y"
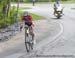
{"x": 31, "y": 20}
{"x": 21, "y": 23}
{"x": 22, "y": 19}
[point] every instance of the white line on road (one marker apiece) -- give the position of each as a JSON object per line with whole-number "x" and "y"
{"x": 47, "y": 40}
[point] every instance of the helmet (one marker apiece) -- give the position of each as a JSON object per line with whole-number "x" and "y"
{"x": 26, "y": 13}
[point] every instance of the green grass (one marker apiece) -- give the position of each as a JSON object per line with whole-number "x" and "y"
{"x": 12, "y": 19}
{"x": 63, "y": 2}
{"x": 22, "y": 8}
{"x": 36, "y": 17}
{"x": 44, "y": 2}
{"x": 68, "y": 2}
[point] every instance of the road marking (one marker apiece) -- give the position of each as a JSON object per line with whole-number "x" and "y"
{"x": 47, "y": 40}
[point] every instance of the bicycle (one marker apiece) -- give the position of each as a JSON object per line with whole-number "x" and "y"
{"x": 28, "y": 39}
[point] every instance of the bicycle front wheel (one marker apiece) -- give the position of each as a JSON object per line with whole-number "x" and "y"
{"x": 28, "y": 42}
{"x": 27, "y": 45}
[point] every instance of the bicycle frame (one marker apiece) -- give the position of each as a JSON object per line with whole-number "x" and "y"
{"x": 28, "y": 39}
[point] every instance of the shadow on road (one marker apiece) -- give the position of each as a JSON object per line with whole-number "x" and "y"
{"x": 56, "y": 18}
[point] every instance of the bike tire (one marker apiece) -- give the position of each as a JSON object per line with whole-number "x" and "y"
{"x": 31, "y": 42}
{"x": 27, "y": 45}
{"x": 58, "y": 17}
{"x": 31, "y": 46}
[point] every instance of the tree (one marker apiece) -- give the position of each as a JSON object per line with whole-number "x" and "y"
{"x": 8, "y": 6}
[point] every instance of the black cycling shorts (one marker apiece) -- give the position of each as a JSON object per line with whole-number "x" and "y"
{"x": 28, "y": 23}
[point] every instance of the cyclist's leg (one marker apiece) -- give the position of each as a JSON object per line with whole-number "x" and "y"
{"x": 54, "y": 11}
{"x": 32, "y": 33}
{"x": 31, "y": 30}
{"x": 25, "y": 27}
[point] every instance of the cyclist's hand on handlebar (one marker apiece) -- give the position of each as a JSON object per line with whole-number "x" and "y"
{"x": 21, "y": 28}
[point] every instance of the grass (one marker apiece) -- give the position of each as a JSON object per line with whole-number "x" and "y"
{"x": 22, "y": 8}
{"x": 36, "y": 17}
{"x": 63, "y": 2}
{"x": 68, "y": 2}
{"x": 44, "y": 2}
{"x": 11, "y": 19}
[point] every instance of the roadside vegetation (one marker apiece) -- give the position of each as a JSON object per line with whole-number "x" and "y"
{"x": 62, "y": 2}
{"x": 6, "y": 20}
{"x": 8, "y": 14}
{"x": 22, "y": 8}
{"x": 12, "y": 18}
{"x": 47, "y": 1}
{"x": 68, "y": 2}
{"x": 35, "y": 16}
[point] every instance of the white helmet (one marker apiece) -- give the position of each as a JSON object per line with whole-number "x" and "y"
{"x": 26, "y": 13}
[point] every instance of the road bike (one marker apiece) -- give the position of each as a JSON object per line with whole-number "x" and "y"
{"x": 28, "y": 39}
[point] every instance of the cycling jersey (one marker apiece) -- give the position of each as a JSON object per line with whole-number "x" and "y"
{"x": 27, "y": 18}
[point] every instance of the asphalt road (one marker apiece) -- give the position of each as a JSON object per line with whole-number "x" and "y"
{"x": 60, "y": 45}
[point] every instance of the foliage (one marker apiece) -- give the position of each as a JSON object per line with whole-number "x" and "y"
{"x": 7, "y": 14}
{"x": 30, "y": 1}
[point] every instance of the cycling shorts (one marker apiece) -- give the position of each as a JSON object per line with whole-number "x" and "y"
{"x": 28, "y": 23}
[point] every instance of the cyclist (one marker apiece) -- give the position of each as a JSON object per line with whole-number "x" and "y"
{"x": 27, "y": 20}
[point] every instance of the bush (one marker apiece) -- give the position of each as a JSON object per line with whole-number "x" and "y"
{"x": 12, "y": 18}
{"x": 3, "y": 24}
